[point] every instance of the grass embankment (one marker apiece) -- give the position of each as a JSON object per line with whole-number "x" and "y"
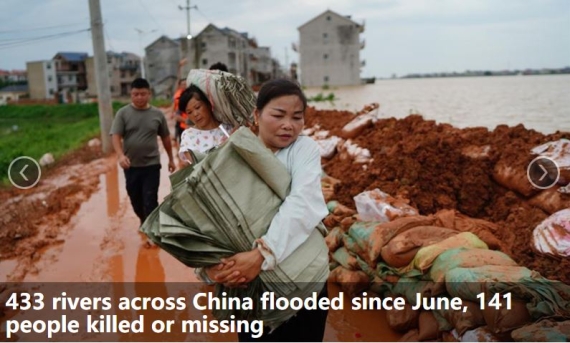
{"x": 33, "y": 130}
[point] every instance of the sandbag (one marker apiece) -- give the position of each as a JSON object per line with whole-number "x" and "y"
{"x": 375, "y": 205}
{"x": 450, "y": 336}
{"x": 502, "y": 321}
{"x": 331, "y": 221}
{"x": 339, "y": 209}
{"x": 428, "y": 327}
{"x": 384, "y": 232}
{"x": 559, "y": 151}
{"x": 481, "y": 334}
{"x": 355, "y": 127}
{"x": 463, "y": 321}
{"x": 426, "y": 255}
{"x": 552, "y": 235}
{"x": 410, "y": 287}
{"x": 467, "y": 283}
{"x": 544, "y": 331}
{"x": 334, "y": 239}
{"x": 467, "y": 258}
{"x": 327, "y": 146}
{"x": 402, "y": 249}
{"x": 347, "y": 222}
{"x": 351, "y": 282}
{"x": 452, "y": 219}
{"x": 513, "y": 177}
{"x": 551, "y": 200}
{"x": 346, "y": 259}
{"x": 403, "y": 320}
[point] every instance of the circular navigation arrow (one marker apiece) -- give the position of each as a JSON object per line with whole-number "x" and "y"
{"x": 543, "y": 172}
{"x": 24, "y": 172}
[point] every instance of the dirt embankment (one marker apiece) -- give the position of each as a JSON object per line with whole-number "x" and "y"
{"x": 437, "y": 166}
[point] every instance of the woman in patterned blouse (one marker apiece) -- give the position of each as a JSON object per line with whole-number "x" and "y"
{"x": 207, "y": 132}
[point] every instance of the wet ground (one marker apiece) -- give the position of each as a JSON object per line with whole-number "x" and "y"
{"x": 77, "y": 225}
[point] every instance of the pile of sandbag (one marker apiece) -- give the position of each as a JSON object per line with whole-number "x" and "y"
{"x": 512, "y": 174}
{"x": 445, "y": 254}
{"x": 330, "y": 145}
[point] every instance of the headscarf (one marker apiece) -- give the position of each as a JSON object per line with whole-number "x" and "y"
{"x": 231, "y": 98}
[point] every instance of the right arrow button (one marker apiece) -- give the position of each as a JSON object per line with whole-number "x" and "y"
{"x": 543, "y": 172}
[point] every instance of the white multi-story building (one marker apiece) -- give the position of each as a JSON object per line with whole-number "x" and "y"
{"x": 329, "y": 50}
{"x": 42, "y": 79}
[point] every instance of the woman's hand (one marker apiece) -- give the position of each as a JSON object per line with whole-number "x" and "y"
{"x": 214, "y": 270}
{"x": 245, "y": 267}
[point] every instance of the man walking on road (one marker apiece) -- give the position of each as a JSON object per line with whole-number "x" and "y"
{"x": 134, "y": 132}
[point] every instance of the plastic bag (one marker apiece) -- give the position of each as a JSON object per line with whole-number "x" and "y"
{"x": 327, "y": 147}
{"x": 376, "y": 205}
{"x": 559, "y": 152}
{"x": 552, "y": 236}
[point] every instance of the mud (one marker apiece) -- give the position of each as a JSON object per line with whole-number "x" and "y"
{"x": 437, "y": 166}
{"x": 77, "y": 225}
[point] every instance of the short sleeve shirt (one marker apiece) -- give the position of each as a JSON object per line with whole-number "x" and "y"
{"x": 139, "y": 129}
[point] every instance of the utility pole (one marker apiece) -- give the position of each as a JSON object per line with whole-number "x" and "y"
{"x": 188, "y": 34}
{"x": 101, "y": 75}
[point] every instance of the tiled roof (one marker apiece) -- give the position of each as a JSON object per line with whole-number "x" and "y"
{"x": 73, "y": 56}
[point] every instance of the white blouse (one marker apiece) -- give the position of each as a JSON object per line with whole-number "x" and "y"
{"x": 201, "y": 140}
{"x": 305, "y": 205}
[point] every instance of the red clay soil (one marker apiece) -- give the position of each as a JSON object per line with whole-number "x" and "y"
{"x": 31, "y": 219}
{"x": 438, "y": 166}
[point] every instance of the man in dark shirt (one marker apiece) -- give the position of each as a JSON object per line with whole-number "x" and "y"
{"x": 134, "y": 132}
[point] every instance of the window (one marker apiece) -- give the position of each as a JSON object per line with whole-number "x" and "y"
{"x": 328, "y": 17}
{"x": 112, "y": 89}
{"x": 51, "y": 91}
{"x": 203, "y": 45}
{"x": 325, "y": 35}
{"x": 326, "y": 78}
{"x": 70, "y": 77}
{"x": 48, "y": 65}
{"x": 204, "y": 61}
{"x": 326, "y": 56}
{"x": 50, "y": 78}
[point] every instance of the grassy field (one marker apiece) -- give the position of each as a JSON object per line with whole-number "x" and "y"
{"x": 33, "y": 130}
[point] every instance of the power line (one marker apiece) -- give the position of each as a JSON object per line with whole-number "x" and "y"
{"x": 40, "y": 28}
{"x": 203, "y": 15}
{"x": 46, "y": 37}
{"x": 108, "y": 38}
{"x": 151, "y": 16}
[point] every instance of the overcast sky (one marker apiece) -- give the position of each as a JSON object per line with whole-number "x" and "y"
{"x": 402, "y": 36}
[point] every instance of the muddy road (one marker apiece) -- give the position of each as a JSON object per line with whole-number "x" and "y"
{"x": 77, "y": 225}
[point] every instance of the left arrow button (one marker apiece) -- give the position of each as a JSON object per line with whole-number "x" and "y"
{"x": 24, "y": 172}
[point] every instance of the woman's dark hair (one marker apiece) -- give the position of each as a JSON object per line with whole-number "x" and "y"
{"x": 219, "y": 66}
{"x": 277, "y": 88}
{"x": 188, "y": 94}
